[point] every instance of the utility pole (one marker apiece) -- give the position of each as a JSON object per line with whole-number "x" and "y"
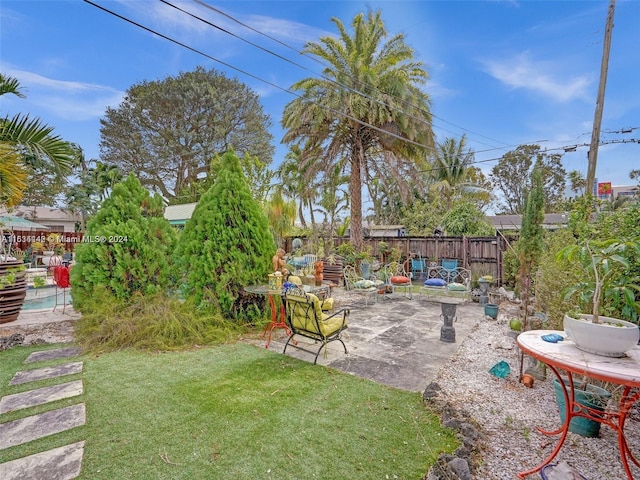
{"x": 597, "y": 118}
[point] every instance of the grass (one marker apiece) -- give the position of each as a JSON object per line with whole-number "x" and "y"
{"x": 235, "y": 412}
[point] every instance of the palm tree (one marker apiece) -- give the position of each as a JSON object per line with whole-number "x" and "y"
{"x": 281, "y": 215}
{"x": 297, "y": 184}
{"x": 454, "y": 175}
{"x": 450, "y": 167}
{"x": 23, "y": 139}
{"x": 367, "y": 102}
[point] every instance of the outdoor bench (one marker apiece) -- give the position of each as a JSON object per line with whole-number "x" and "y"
{"x": 447, "y": 282}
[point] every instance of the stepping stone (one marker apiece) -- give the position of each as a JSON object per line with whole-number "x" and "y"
{"x": 39, "y": 396}
{"x": 46, "y": 372}
{"x": 52, "y": 354}
{"x": 58, "y": 464}
{"x": 41, "y": 425}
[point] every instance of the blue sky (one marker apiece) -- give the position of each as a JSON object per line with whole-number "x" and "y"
{"x": 503, "y": 72}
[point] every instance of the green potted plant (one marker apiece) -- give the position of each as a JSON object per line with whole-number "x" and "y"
{"x": 364, "y": 259}
{"x": 607, "y": 281}
{"x": 37, "y": 248}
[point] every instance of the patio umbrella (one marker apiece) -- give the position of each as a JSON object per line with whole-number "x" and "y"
{"x": 19, "y": 223}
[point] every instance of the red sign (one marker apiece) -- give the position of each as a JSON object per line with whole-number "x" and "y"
{"x": 604, "y": 188}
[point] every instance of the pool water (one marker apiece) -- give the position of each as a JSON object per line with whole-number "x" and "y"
{"x": 45, "y": 297}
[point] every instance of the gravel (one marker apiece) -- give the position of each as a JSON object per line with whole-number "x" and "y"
{"x": 508, "y": 413}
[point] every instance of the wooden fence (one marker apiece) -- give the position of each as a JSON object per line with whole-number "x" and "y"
{"x": 481, "y": 255}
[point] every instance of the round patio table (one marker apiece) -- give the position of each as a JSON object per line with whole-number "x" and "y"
{"x": 278, "y": 313}
{"x": 564, "y": 355}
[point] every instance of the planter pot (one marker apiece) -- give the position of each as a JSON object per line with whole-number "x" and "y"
{"x": 12, "y": 295}
{"x": 365, "y": 270}
{"x": 592, "y": 397}
{"x": 491, "y": 310}
{"x": 611, "y": 338}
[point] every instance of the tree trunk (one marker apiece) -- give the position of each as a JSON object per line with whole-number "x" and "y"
{"x": 355, "y": 188}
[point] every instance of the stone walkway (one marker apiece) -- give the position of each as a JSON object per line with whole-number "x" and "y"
{"x": 59, "y": 463}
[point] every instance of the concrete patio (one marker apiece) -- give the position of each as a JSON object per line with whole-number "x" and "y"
{"x": 394, "y": 341}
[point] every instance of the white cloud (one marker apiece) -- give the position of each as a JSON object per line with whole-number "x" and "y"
{"x": 70, "y": 100}
{"x": 538, "y": 76}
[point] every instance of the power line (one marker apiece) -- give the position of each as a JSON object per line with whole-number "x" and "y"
{"x": 244, "y": 72}
{"x": 385, "y": 132}
{"x": 299, "y": 52}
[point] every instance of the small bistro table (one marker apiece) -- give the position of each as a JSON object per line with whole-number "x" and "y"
{"x": 278, "y": 313}
{"x": 565, "y": 356}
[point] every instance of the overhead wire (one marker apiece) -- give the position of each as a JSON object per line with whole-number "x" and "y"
{"x": 244, "y": 72}
{"x": 320, "y": 62}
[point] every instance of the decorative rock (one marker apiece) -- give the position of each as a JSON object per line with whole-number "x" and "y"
{"x": 457, "y": 466}
{"x": 510, "y": 295}
{"x": 11, "y": 341}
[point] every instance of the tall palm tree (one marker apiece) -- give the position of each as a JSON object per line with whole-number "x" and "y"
{"x": 367, "y": 102}
{"x": 24, "y": 139}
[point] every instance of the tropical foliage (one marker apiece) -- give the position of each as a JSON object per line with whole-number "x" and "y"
{"x": 226, "y": 245}
{"x": 365, "y": 112}
{"x": 512, "y": 177}
{"x": 27, "y": 145}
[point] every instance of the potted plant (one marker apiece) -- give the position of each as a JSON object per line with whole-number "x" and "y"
{"x": 364, "y": 259}
{"x": 37, "y": 248}
{"x": 606, "y": 265}
{"x": 13, "y": 285}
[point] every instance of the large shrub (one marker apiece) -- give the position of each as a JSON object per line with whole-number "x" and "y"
{"x": 554, "y": 277}
{"x": 226, "y": 245}
{"x": 126, "y": 248}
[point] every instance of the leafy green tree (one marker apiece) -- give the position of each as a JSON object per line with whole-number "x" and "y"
{"x": 464, "y": 218}
{"x": 256, "y": 171}
{"x": 512, "y": 176}
{"x": 167, "y": 131}
{"x": 577, "y": 182}
{"x": 226, "y": 245}
{"x": 26, "y": 143}
{"x": 367, "y": 97}
{"x": 422, "y": 217}
{"x": 126, "y": 249}
{"x": 96, "y": 184}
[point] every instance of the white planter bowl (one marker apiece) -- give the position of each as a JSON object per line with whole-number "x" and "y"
{"x": 611, "y": 338}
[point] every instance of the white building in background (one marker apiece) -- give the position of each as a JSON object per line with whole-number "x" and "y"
{"x": 57, "y": 219}
{"x": 625, "y": 191}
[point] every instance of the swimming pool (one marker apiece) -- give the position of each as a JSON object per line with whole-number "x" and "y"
{"x": 45, "y": 298}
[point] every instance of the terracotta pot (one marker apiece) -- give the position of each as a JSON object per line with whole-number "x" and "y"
{"x": 527, "y": 380}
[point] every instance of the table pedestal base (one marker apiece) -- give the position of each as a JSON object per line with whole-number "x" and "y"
{"x": 614, "y": 419}
{"x": 277, "y": 321}
{"x": 447, "y": 331}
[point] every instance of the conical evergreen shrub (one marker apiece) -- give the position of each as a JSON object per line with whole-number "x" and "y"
{"x": 226, "y": 245}
{"x": 127, "y": 247}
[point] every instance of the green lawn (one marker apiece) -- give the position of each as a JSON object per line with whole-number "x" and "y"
{"x": 235, "y": 412}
